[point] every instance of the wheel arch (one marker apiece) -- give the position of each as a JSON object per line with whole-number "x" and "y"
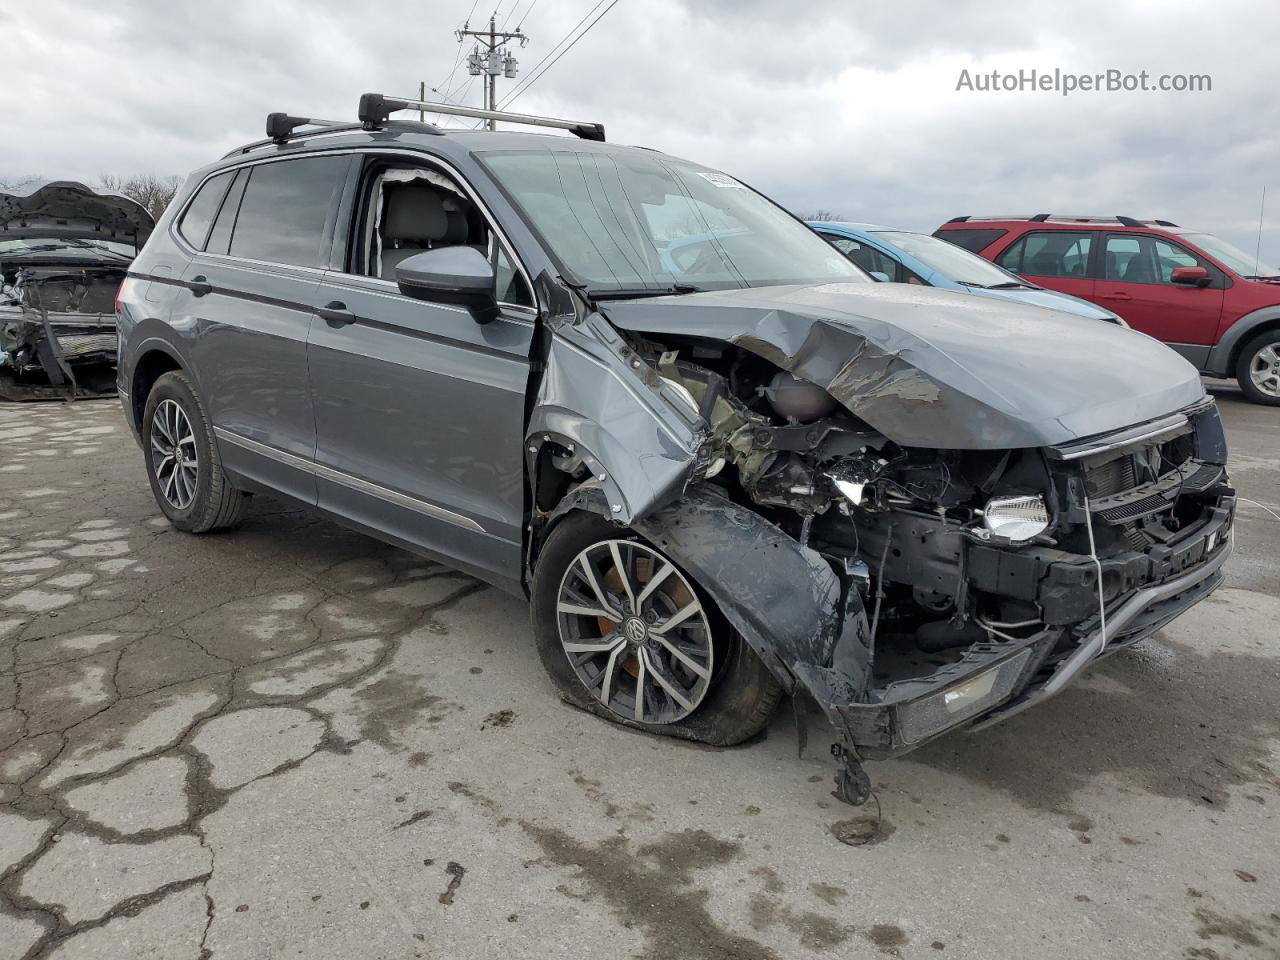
{"x": 1224, "y": 356}
{"x": 155, "y": 359}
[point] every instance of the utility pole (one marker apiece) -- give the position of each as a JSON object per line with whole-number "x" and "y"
{"x": 489, "y": 56}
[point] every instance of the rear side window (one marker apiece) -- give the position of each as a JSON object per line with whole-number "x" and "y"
{"x": 287, "y": 211}
{"x": 195, "y": 222}
{"x": 971, "y": 240}
{"x": 1049, "y": 253}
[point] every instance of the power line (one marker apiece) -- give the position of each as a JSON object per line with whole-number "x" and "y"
{"x": 528, "y": 10}
{"x": 556, "y": 47}
{"x": 534, "y": 79}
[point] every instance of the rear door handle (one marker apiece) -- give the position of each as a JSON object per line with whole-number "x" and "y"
{"x": 1116, "y": 296}
{"x": 336, "y": 314}
{"x": 199, "y": 285}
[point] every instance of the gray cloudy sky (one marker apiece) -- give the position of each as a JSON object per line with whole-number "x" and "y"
{"x": 849, "y": 106}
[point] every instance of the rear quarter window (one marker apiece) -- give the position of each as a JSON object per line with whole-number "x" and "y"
{"x": 194, "y": 226}
{"x": 971, "y": 240}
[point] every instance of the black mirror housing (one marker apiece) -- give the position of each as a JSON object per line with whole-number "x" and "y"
{"x": 458, "y": 275}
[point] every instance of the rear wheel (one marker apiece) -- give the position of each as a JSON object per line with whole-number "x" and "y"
{"x": 183, "y": 466}
{"x": 628, "y": 635}
{"x": 1258, "y": 369}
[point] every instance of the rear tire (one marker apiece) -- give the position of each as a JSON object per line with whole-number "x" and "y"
{"x": 1258, "y": 369}
{"x": 175, "y": 433}
{"x": 733, "y": 703}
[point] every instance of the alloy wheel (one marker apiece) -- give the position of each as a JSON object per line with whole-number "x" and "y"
{"x": 173, "y": 454}
{"x": 635, "y": 632}
{"x": 1264, "y": 369}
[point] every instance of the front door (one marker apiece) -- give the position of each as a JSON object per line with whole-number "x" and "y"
{"x": 1136, "y": 282}
{"x": 419, "y": 409}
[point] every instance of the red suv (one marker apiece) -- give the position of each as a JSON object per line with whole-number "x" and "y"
{"x": 1214, "y": 304}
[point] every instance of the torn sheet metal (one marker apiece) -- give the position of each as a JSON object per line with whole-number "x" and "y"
{"x": 627, "y": 424}
{"x": 932, "y": 368}
{"x": 783, "y": 598}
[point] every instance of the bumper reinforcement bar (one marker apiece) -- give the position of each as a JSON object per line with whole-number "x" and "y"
{"x": 1095, "y": 645}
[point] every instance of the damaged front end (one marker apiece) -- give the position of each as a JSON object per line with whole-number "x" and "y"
{"x": 64, "y": 251}
{"x": 920, "y": 521}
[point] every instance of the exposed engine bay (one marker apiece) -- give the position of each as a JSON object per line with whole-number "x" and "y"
{"x": 64, "y": 251}
{"x": 57, "y": 331}
{"x": 951, "y": 585}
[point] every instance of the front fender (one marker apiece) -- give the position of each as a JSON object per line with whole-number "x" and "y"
{"x": 1220, "y": 362}
{"x": 598, "y": 398}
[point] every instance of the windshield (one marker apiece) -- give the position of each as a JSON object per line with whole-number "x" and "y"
{"x": 954, "y": 263}
{"x": 624, "y": 221}
{"x": 1230, "y": 256}
{"x": 17, "y": 247}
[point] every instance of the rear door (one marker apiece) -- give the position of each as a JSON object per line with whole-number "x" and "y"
{"x": 419, "y": 409}
{"x": 1056, "y": 259}
{"x": 1136, "y": 282}
{"x": 248, "y": 305}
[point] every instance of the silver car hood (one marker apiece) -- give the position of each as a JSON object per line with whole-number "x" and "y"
{"x": 935, "y": 368}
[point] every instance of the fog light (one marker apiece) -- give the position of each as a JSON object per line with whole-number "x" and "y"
{"x": 928, "y": 716}
{"x": 1016, "y": 518}
{"x": 957, "y": 698}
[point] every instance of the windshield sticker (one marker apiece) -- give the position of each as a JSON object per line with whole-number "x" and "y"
{"x": 720, "y": 180}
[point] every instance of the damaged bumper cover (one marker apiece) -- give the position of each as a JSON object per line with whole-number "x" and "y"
{"x": 994, "y": 681}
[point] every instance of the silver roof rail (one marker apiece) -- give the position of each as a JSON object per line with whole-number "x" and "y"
{"x": 376, "y": 109}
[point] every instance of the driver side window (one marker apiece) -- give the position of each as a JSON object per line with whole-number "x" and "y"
{"x": 411, "y": 209}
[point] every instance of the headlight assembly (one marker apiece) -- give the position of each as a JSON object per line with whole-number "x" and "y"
{"x": 1016, "y": 518}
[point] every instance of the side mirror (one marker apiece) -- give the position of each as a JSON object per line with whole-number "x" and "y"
{"x": 880, "y": 276}
{"x": 1191, "y": 276}
{"x": 456, "y": 275}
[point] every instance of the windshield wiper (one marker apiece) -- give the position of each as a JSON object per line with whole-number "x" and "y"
{"x": 1010, "y": 285}
{"x": 1267, "y": 276}
{"x": 634, "y": 293}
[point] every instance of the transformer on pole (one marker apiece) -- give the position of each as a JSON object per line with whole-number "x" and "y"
{"x": 489, "y": 58}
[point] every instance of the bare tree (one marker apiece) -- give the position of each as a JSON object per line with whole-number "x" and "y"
{"x": 823, "y": 215}
{"x": 13, "y": 181}
{"x": 149, "y": 190}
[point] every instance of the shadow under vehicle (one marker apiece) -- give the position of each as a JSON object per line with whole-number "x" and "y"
{"x": 744, "y": 470}
{"x": 64, "y": 251}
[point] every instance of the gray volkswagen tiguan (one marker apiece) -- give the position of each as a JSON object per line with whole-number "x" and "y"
{"x": 720, "y": 462}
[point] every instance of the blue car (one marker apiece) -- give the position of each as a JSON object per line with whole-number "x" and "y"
{"x": 903, "y": 256}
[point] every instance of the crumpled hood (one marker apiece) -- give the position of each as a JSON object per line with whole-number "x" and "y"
{"x": 934, "y": 368}
{"x": 72, "y": 209}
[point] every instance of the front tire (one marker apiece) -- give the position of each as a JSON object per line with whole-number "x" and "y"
{"x": 627, "y": 635}
{"x": 1258, "y": 369}
{"x": 182, "y": 460}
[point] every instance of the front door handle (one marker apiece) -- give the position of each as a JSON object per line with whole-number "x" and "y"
{"x": 336, "y": 314}
{"x": 200, "y": 285}
{"x": 1116, "y": 296}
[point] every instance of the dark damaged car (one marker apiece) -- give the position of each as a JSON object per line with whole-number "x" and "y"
{"x": 64, "y": 251}
{"x": 720, "y": 462}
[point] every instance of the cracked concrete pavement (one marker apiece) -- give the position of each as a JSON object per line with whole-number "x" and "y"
{"x": 293, "y": 740}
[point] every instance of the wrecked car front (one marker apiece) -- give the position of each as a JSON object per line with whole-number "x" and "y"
{"x": 64, "y": 250}
{"x": 920, "y": 509}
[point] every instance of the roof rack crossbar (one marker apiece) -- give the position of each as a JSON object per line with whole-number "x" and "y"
{"x": 376, "y": 109}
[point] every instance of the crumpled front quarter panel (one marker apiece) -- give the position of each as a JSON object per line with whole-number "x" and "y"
{"x": 615, "y": 410}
